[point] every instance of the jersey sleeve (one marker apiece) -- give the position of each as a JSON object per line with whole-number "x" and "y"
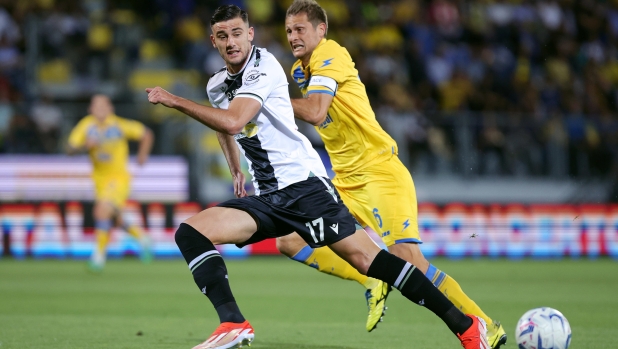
{"x": 132, "y": 130}
{"x": 258, "y": 82}
{"x": 327, "y": 71}
{"x": 77, "y": 137}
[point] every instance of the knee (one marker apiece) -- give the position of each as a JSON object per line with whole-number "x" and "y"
{"x": 290, "y": 245}
{"x": 102, "y": 211}
{"x": 187, "y": 237}
{"x": 410, "y": 252}
{"x": 360, "y": 262}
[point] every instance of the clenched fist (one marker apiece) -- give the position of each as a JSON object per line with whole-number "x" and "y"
{"x": 159, "y": 95}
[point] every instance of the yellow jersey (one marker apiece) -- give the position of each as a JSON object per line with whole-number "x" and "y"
{"x": 352, "y": 136}
{"x": 111, "y": 155}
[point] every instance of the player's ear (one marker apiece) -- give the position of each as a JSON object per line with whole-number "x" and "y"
{"x": 250, "y": 34}
{"x": 212, "y": 40}
{"x": 322, "y": 30}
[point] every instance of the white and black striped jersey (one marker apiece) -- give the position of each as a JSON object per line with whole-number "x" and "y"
{"x": 278, "y": 155}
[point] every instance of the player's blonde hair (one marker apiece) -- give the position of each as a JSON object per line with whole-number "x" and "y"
{"x": 315, "y": 13}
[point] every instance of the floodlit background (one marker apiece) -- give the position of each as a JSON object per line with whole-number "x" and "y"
{"x": 505, "y": 113}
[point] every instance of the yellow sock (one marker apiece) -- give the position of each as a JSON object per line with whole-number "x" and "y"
{"x": 454, "y": 293}
{"x": 135, "y": 231}
{"x": 327, "y": 261}
{"x": 102, "y": 237}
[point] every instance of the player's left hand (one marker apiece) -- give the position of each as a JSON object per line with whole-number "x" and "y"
{"x": 159, "y": 95}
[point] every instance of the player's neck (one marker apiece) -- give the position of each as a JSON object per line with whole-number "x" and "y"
{"x": 306, "y": 59}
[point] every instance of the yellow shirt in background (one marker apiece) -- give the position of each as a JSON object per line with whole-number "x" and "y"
{"x": 112, "y": 153}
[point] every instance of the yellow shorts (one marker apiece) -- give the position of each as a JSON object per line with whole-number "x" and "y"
{"x": 112, "y": 188}
{"x": 383, "y": 197}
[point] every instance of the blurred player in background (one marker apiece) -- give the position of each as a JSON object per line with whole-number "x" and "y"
{"x": 105, "y": 137}
{"x": 372, "y": 181}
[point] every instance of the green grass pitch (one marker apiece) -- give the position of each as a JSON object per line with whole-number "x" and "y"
{"x": 57, "y": 304}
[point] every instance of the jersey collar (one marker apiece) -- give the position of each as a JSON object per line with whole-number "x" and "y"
{"x": 244, "y": 66}
{"x": 312, "y": 54}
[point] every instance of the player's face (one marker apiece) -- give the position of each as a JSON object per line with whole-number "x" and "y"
{"x": 101, "y": 107}
{"x": 233, "y": 40}
{"x": 303, "y": 36}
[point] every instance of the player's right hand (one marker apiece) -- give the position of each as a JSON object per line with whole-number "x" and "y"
{"x": 158, "y": 95}
{"x": 239, "y": 185}
{"x": 91, "y": 143}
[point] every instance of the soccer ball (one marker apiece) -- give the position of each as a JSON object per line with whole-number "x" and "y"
{"x": 543, "y": 328}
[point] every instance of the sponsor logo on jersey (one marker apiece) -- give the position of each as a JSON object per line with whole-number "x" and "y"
{"x": 326, "y": 122}
{"x": 231, "y": 94}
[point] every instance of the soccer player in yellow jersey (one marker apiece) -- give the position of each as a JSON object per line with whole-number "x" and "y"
{"x": 372, "y": 181}
{"x": 105, "y": 137}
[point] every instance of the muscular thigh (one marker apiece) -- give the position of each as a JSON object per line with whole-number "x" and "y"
{"x": 383, "y": 197}
{"x": 222, "y": 225}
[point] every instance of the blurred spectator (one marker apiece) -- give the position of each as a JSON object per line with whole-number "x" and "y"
{"x": 512, "y": 67}
{"x": 22, "y": 136}
{"x": 47, "y": 117}
{"x": 6, "y": 112}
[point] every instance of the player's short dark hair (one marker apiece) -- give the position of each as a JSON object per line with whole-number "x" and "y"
{"x": 315, "y": 13}
{"x": 226, "y": 12}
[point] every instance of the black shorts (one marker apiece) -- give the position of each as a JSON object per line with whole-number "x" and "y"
{"x": 312, "y": 208}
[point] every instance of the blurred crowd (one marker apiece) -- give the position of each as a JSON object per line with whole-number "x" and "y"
{"x": 492, "y": 87}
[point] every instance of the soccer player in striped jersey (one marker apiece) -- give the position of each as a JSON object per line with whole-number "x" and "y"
{"x": 372, "y": 181}
{"x": 253, "y": 115}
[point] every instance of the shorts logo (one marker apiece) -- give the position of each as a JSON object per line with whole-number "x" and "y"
{"x": 204, "y": 290}
{"x": 386, "y": 233}
{"x": 406, "y": 224}
{"x": 335, "y": 228}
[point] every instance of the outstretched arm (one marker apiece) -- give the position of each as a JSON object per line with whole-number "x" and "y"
{"x": 312, "y": 109}
{"x": 145, "y": 145}
{"x": 232, "y": 155}
{"x": 230, "y": 121}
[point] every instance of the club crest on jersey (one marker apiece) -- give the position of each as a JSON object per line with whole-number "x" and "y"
{"x": 253, "y": 77}
{"x": 299, "y": 77}
{"x": 250, "y": 130}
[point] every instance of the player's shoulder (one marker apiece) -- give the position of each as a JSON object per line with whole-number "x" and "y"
{"x": 262, "y": 59}
{"x": 217, "y": 76}
{"x": 216, "y": 80}
{"x": 86, "y": 121}
{"x": 120, "y": 120}
{"x": 326, "y": 53}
